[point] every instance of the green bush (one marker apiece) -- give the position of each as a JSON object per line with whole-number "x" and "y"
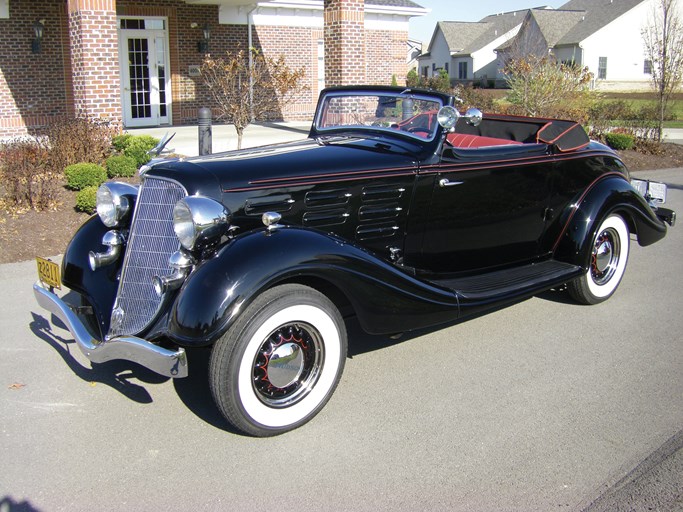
{"x": 86, "y": 200}
{"x": 121, "y": 141}
{"x": 137, "y": 148}
{"x": 82, "y": 175}
{"x": 619, "y": 140}
{"x": 121, "y": 166}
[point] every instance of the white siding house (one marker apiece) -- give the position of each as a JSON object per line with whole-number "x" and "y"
{"x": 467, "y": 49}
{"x": 608, "y": 40}
{"x": 604, "y": 35}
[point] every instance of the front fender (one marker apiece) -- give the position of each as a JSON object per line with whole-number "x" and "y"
{"x": 386, "y": 299}
{"x": 611, "y": 194}
{"x": 98, "y": 287}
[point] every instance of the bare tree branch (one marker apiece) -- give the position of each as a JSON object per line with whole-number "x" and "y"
{"x": 663, "y": 41}
{"x": 230, "y": 81}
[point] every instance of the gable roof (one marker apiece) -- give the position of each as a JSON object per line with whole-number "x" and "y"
{"x": 466, "y": 37}
{"x": 555, "y": 24}
{"x": 598, "y": 13}
{"x": 460, "y": 34}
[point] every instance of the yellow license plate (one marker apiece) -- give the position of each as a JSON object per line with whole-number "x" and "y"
{"x": 48, "y": 273}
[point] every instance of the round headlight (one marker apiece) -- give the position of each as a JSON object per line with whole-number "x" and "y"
{"x": 114, "y": 201}
{"x": 447, "y": 117}
{"x": 198, "y": 221}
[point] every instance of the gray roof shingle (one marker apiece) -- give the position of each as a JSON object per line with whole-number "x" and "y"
{"x": 598, "y": 13}
{"x": 554, "y": 25}
{"x": 466, "y": 37}
{"x": 460, "y": 34}
{"x": 394, "y": 3}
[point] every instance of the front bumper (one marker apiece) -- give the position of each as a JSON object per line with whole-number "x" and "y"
{"x": 160, "y": 360}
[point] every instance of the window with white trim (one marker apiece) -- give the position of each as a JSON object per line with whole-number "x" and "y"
{"x": 602, "y": 68}
{"x": 462, "y": 70}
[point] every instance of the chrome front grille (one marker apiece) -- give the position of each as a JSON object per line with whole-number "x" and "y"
{"x": 150, "y": 243}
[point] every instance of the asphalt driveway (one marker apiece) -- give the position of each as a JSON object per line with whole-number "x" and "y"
{"x": 544, "y": 405}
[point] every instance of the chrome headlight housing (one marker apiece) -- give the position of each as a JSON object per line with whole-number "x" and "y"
{"x": 199, "y": 221}
{"x": 114, "y": 202}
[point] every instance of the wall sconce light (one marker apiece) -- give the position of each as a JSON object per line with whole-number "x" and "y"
{"x": 203, "y": 45}
{"x": 38, "y": 28}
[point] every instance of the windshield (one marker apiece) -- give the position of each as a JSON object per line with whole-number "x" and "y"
{"x": 412, "y": 114}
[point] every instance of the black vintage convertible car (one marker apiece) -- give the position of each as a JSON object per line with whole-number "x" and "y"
{"x": 396, "y": 209}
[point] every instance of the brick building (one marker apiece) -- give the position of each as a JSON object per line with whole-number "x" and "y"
{"x": 136, "y": 61}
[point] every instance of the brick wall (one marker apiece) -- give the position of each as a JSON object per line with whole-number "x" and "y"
{"x": 37, "y": 88}
{"x": 94, "y": 58}
{"x": 386, "y": 56}
{"x": 345, "y": 42}
{"x": 33, "y": 87}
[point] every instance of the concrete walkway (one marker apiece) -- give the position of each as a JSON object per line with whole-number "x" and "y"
{"x": 224, "y": 137}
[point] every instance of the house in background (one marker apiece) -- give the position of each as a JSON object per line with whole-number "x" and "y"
{"x": 608, "y": 40}
{"x": 538, "y": 34}
{"x": 137, "y": 62}
{"x": 414, "y": 50}
{"x": 603, "y": 35}
{"x": 466, "y": 50}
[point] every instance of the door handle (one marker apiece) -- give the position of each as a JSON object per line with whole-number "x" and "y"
{"x": 445, "y": 182}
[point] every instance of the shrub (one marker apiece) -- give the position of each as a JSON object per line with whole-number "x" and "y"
{"x": 82, "y": 175}
{"x": 137, "y": 148}
{"x": 619, "y": 141}
{"x": 649, "y": 146}
{"x": 86, "y": 200}
{"x": 121, "y": 141}
{"x": 541, "y": 86}
{"x": 121, "y": 166}
{"x": 25, "y": 175}
{"x": 482, "y": 99}
{"x": 412, "y": 78}
{"x": 82, "y": 139}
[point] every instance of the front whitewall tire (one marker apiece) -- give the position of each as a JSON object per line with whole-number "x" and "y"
{"x": 280, "y": 362}
{"x": 282, "y": 417}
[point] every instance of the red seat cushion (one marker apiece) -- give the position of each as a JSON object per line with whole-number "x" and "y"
{"x": 463, "y": 140}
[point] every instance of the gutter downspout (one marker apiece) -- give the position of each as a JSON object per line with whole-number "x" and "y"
{"x": 250, "y": 23}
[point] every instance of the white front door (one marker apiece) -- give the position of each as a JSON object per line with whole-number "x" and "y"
{"x": 145, "y": 76}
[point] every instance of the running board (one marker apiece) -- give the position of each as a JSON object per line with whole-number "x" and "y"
{"x": 512, "y": 282}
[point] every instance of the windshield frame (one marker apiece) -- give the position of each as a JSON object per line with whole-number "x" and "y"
{"x": 393, "y": 95}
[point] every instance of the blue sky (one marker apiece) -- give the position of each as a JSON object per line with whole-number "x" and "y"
{"x": 466, "y": 10}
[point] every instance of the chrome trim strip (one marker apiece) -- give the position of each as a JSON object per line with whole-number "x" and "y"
{"x": 160, "y": 360}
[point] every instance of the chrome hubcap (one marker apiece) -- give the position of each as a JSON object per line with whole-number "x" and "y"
{"x": 605, "y": 256}
{"x": 288, "y": 364}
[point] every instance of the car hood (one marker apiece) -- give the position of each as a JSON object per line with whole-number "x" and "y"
{"x": 321, "y": 159}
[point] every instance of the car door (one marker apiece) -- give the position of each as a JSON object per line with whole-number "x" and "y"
{"x": 488, "y": 208}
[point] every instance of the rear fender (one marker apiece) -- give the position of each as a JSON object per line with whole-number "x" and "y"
{"x": 609, "y": 195}
{"x": 386, "y": 299}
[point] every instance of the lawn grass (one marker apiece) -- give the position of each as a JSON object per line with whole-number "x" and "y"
{"x": 641, "y": 99}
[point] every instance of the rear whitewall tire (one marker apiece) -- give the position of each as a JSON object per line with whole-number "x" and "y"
{"x": 608, "y": 258}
